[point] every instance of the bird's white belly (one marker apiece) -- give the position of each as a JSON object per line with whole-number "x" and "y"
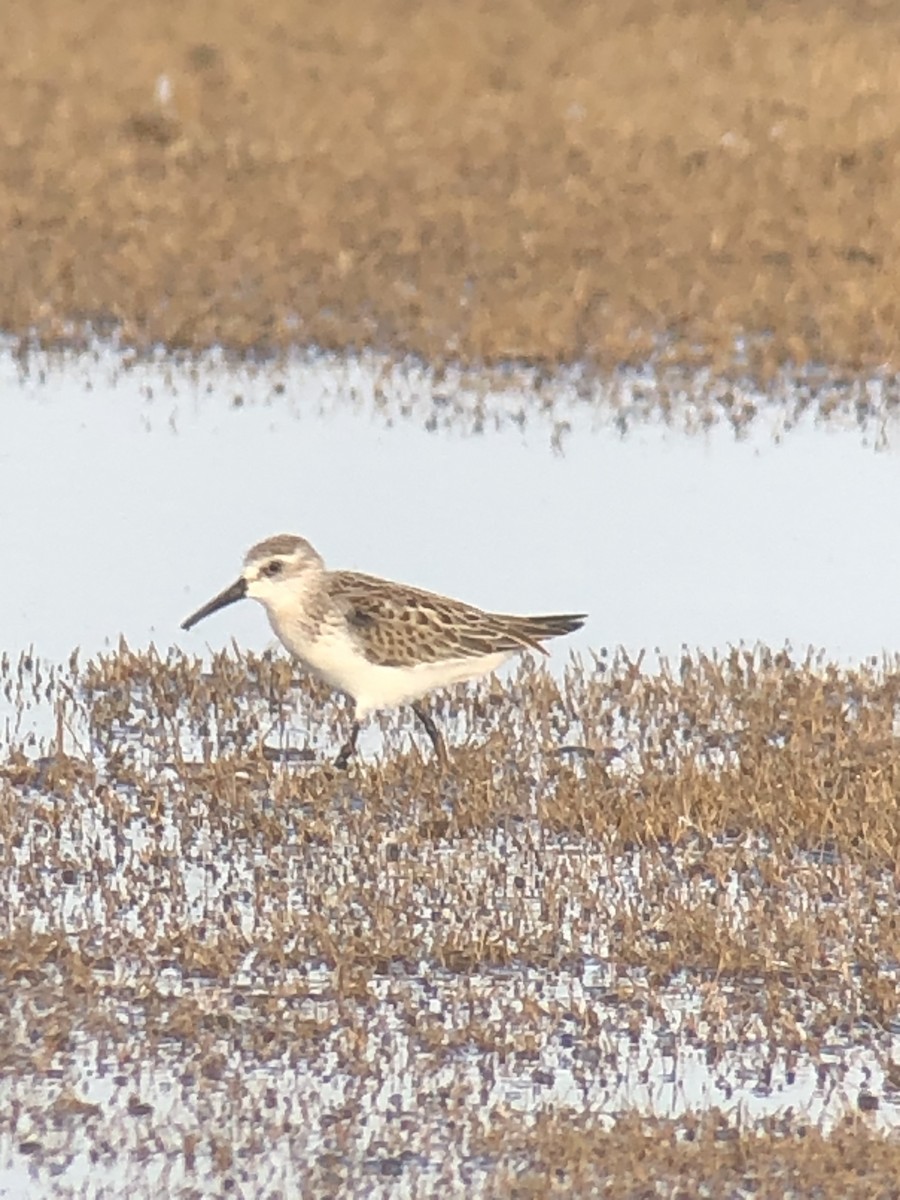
{"x": 336, "y": 660}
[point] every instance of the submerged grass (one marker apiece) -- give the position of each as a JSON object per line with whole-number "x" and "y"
{"x": 626, "y": 878}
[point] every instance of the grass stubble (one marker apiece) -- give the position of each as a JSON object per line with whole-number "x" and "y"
{"x": 280, "y": 975}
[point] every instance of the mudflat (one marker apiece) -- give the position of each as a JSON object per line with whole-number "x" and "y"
{"x": 476, "y": 182}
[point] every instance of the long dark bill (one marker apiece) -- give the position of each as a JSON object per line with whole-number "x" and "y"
{"x": 237, "y": 591}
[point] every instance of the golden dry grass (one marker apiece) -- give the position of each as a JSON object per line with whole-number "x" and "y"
{"x": 779, "y": 773}
{"x": 706, "y": 1155}
{"x": 485, "y": 181}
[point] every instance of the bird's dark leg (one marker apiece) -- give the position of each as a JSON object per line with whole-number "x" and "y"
{"x": 348, "y": 749}
{"x": 432, "y": 730}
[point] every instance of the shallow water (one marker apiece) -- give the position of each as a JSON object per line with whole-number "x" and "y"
{"x": 385, "y": 1127}
{"x": 294, "y": 1066}
{"x": 129, "y": 496}
{"x": 393, "y": 1079}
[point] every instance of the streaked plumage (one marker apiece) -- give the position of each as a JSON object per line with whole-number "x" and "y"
{"x": 382, "y": 643}
{"x": 399, "y": 626}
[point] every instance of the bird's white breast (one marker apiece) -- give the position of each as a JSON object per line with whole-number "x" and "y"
{"x": 333, "y": 655}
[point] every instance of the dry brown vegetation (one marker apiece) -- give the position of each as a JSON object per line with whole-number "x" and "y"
{"x": 490, "y": 978}
{"x": 478, "y": 181}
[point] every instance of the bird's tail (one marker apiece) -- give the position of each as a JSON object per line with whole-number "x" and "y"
{"x": 531, "y": 631}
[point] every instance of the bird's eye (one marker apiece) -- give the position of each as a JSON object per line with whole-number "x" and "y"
{"x": 273, "y": 568}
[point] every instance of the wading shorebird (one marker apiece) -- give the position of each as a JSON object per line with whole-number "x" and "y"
{"x": 382, "y": 643}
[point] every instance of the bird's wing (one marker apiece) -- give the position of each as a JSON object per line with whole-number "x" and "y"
{"x": 399, "y": 626}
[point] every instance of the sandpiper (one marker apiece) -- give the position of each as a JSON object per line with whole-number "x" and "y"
{"x": 381, "y": 643}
